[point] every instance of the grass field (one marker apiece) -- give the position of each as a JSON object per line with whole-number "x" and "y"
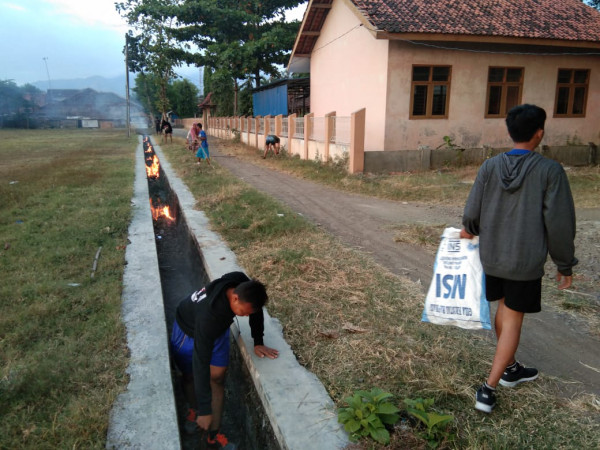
{"x": 62, "y": 350}
{"x": 64, "y": 195}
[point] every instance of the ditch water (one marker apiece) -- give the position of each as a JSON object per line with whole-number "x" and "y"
{"x": 182, "y": 271}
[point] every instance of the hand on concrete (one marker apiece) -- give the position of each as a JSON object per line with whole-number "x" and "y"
{"x": 261, "y": 351}
{"x": 204, "y": 422}
{"x": 564, "y": 281}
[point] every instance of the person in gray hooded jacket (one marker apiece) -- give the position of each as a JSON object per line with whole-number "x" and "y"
{"x": 521, "y": 208}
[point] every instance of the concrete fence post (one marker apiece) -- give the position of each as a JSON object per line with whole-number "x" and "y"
{"x": 357, "y": 141}
{"x": 291, "y": 131}
{"x": 256, "y": 130}
{"x": 248, "y": 129}
{"x": 307, "y": 131}
{"x": 278, "y": 121}
{"x": 329, "y": 124}
{"x": 267, "y": 130}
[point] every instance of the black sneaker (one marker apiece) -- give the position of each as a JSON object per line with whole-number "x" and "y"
{"x": 485, "y": 399}
{"x": 517, "y": 373}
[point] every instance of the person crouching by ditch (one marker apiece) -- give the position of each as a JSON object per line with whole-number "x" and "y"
{"x": 202, "y": 152}
{"x": 522, "y": 208}
{"x": 271, "y": 143}
{"x": 200, "y": 345}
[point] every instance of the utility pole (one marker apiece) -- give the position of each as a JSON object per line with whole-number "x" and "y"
{"x": 127, "y": 83}
{"x": 45, "y": 58}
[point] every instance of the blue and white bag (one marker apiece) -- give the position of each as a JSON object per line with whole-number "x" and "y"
{"x": 456, "y": 295}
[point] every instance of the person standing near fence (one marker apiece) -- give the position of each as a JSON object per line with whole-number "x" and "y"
{"x": 521, "y": 208}
{"x": 202, "y": 152}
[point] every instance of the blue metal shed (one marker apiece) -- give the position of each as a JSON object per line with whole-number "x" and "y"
{"x": 282, "y": 97}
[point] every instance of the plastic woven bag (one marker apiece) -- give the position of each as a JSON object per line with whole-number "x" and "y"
{"x": 456, "y": 295}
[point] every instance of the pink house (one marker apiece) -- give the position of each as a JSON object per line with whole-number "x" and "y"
{"x": 426, "y": 69}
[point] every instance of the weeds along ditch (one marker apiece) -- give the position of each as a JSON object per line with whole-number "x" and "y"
{"x": 182, "y": 271}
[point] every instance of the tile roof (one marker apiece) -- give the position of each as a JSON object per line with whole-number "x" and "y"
{"x": 569, "y": 20}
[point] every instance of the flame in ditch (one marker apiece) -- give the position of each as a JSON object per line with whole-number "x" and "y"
{"x": 159, "y": 211}
{"x": 152, "y": 169}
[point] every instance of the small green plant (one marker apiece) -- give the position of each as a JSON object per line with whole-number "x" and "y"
{"x": 437, "y": 425}
{"x": 367, "y": 414}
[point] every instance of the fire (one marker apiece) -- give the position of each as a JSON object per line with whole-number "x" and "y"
{"x": 161, "y": 211}
{"x": 153, "y": 170}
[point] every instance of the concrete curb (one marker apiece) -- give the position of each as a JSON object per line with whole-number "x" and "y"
{"x": 301, "y": 412}
{"x": 144, "y": 416}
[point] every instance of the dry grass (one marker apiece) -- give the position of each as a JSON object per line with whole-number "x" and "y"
{"x": 356, "y": 326}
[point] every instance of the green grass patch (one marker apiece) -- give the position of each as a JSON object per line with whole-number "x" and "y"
{"x": 62, "y": 346}
{"x": 357, "y": 327}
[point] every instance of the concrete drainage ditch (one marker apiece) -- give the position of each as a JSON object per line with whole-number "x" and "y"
{"x": 269, "y": 404}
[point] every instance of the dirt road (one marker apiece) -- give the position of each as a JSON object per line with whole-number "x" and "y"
{"x": 555, "y": 342}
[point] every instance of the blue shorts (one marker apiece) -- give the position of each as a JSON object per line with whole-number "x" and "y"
{"x": 182, "y": 347}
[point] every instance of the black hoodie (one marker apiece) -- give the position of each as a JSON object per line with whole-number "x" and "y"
{"x": 521, "y": 208}
{"x": 205, "y": 315}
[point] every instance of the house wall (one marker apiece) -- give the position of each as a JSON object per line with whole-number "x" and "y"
{"x": 349, "y": 72}
{"x": 466, "y": 124}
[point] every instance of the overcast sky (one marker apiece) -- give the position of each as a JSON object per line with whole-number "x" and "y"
{"x": 78, "y": 38}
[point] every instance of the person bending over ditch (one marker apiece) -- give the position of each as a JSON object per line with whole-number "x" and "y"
{"x": 271, "y": 143}
{"x": 522, "y": 208}
{"x": 200, "y": 345}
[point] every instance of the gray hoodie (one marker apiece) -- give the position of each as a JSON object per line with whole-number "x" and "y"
{"x": 521, "y": 208}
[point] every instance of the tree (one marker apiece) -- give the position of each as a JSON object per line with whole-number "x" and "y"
{"x": 153, "y": 48}
{"x": 238, "y": 39}
{"x": 183, "y": 96}
{"x": 146, "y": 90}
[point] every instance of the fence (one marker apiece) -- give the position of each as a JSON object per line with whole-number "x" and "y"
{"x": 328, "y": 138}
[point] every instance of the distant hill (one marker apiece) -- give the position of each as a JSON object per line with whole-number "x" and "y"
{"x": 115, "y": 85}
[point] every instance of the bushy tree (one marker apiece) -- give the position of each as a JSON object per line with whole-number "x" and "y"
{"x": 237, "y": 39}
{"x": 183, "y": 96}
{"x": 147, "y": 92}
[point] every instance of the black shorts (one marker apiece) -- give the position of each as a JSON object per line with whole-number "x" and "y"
{"x": 521, "y": 296}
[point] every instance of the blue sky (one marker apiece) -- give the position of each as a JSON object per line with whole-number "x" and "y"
{"x": 78, "y": 38}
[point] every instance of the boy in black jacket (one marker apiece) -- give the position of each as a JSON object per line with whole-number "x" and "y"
{"x": 200, "y": 344}
{"x": 522, "y": 209}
